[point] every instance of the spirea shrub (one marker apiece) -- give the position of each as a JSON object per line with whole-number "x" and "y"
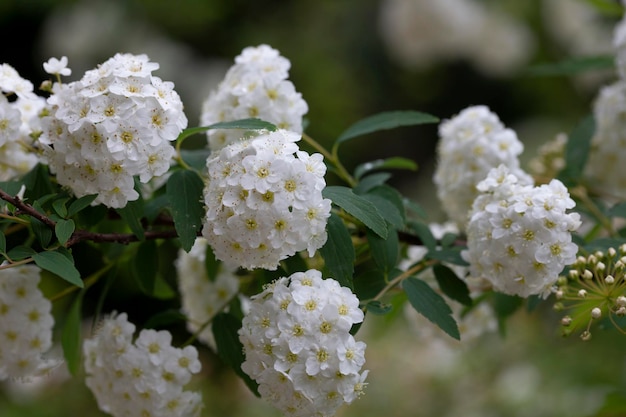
{"x": 142, "y": 377}
{"x": 114, "y": 124}
{"x": 264, "y": 201}
{"x": 470, "y": 144}
{"x": 298, "y": 346}
{"x": 519, "y": 237}
{"x": 255, "y": 86}
{"x": 26, "y": 324}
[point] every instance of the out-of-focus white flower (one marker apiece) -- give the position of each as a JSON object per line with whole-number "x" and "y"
{"x": 470, "y": 144}
{"x": 26, "y": 324}
{"x": 298, "y": 347}
{"x": 255, "y": 86}
{"x": 519, "y": 237}
{"x": 421, "y": 33}
{"x": 202, "y": 297}
{"x": 115, "y": 123}
{"x": 146, "y": 377}
{"x": 264, "y": 203}
{"x": 56, "y": 66}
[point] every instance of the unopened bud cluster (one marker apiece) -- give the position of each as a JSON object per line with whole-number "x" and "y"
{"x": 298, "y": 345}
{"x": 141, "y": 378}
{"x": 593, "y": 290}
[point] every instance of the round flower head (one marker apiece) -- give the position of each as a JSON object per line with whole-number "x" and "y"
{"x": 605, "y": 169}
{"x": 26, "y": 324}
{"x": 470, "y": 144}
{"x": 202, "y": 296}
{"x": 255, "y": 86}
{"x": 264, "y": 201}
{"x": 114, "y": 124}
{"x": 298, "y": 346}
{"x": 19, "y": 122}
{"x": 144, "y": 377}
{"x": 519, "y": 236}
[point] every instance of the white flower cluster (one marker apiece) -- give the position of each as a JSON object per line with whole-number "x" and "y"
{"x": 470, "y": 144}
{"x": 519, "y": 236}
{"x": 115, "y": 123}
{"x": 26, "y": 324}
{"x": 19, "y": 119}
{"x": 263, "y": 203}
{"x": 422, "y": 33}
{"x": 298, "y": 346}
{"x": 144, "y": 378}
{"x": 256, "y": 86}
{"x": 202, "y": 297}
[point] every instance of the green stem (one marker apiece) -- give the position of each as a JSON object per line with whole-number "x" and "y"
{"x": 89, "y": 281}
{"x": 406, "y": 274}
{"x": 333, "y": 158}
{"x": 583, "y": 196}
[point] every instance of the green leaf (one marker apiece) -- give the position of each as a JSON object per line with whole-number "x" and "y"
{"x": 80, "y": 204}
{"x": 211, "y": 264}
{"x": 431, "y": 305}
{"x": 389, "y": 163}
{"x": 369, "y": 283}
{"x": 20, "y": 252}
{"x": 244, "y": 124}
{"x": 185, "y": 192}
{"x": 3, "y": 242}
{"x": 59, "y": 206}
{"x": 225, "y": 329}
{"x": 196, "y": 158}
{"x": 71, "y": 336}
{"x": 505, "y": 305}
{"x": 572, "y": 66}
{"x": 577, "y": 150}
{"x": 388, "y": 201}
{"x": 165, "y": 318}
{"x": 64, "y": 229}
{"x": 451, "y": 285}
{"x": 144, "y": 266}
{"x": 42, "y": 232}
{"x": 60, "y": 265}
{"x": 413, "y": 207}
{"x": 385, "y": 121}
{"x": 370, "y": 181}
{"x": 618, "y": 210}
{"x": 132, "y": 214}
{"x": 449, "y": 255}
{"x": 11, "y": 187}
{"x": 37, "y": 182}
{"x": 338, "y": 252}
{"x": 385, "y": 252}
{"x": 425, "y": 234}
{"x": 362, "y": 209}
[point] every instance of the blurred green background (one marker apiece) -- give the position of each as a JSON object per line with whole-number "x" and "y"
{"x": 351, "y": 59}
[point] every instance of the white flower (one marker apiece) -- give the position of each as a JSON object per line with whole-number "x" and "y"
{"x": 470, "y": 144}
{"x": 57, "y": 66}
{"x": 146, "y": 377}
{"x": 202, "y": 297}
{"x": 114, "y": 124}
{"x": 255, "y": 86}
{"x": 305, "y": 363}
{"x": 26, "y": 324}
{"x": 263, "y": 203}
{"x": 519, "y": 236}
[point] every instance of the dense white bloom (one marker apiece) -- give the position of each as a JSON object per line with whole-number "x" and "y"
{"x": 141, "y": 378}
{"x": 26, "y": 324}
{"x": 470, "y": 144}
{"x": 298, "y": 347}
{"x": 519, "y": 236}
{"x": 255, "y": 86}
{"x": 115, "y": 123}
{"x": 264, "y": 203}
{"x": 57, "y": 66}
{"x": 19, "y": 119}
{"x": 202, "y": 297}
